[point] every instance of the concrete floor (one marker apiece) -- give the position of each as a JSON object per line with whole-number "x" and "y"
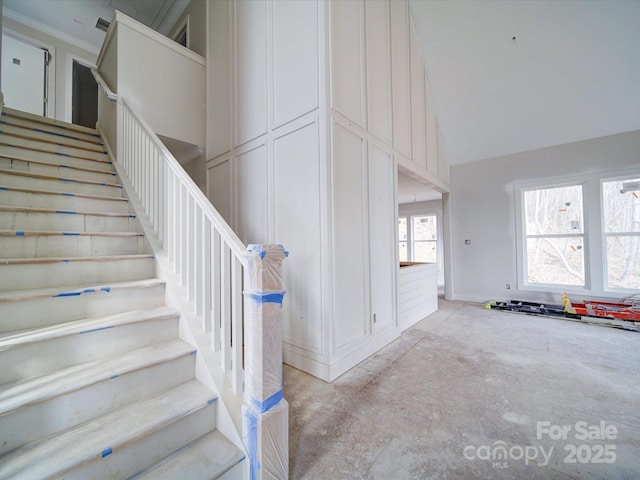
{"x": 465, "y": 381}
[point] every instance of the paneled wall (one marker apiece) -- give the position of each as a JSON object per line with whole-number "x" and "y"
{"x": 319, "y": 102}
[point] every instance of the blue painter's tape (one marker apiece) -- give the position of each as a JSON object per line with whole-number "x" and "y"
{"x": 68, "y": 212}
{"x": 20, "y": 233}
{"x": 251, "y": 439}
{"x": 71, "y": 180}
{"x": 105, "y": 289}
{"x": 69, "y": 194}
{"x": 96, "y": 329}
{"x": 260, "y": 298}
{"x": 132, "y": 216}
{"x": 66, "y": 260}
{"x": 211, "y": 401}
{"x": 68, "y": 294}
{"x": 114, "y": 376}
{"x": 89, "y": 290}
{"x": 193, "y": 352}
{"x": 70, "y": 233}
{"x": 107, "y": 452}
{"x": 4, "y": 188}
{"x": 61, "y": 154}
{"x": 63, "y": 166}
{"x": 269, "y": 403}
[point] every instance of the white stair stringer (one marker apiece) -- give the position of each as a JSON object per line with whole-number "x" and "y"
{"x": 96, "y": 381}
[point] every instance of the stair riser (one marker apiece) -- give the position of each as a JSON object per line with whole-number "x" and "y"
{"x": 56, "y": 170}
{"x": 58, "y": 185}
{"x": 66, "y": 222}
{"x": 36, "y": 133}
{"x": 25, "y": 155}
{"x": 50, "y": 148}
{"x": 134, "y": 457}
{"x": 59, "y": 274}
{"x": 47, "y": 311}
{"x": 14, "y": 198}
{"x": 69, "y": 246}
{"x": 47, "y": 356}
{"x": 26, "y": 425}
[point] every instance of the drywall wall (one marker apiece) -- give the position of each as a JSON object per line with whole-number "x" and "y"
{"x": 196, "y": 13}
{"x": 60, "y": 108}
{"x": 483, "y": 209}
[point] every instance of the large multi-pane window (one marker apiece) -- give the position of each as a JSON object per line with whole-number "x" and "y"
{"x": 418, "y": 238}
{"x": 554, "y": 235}
{"x": 621, "y": 215}
{"x": 582, "y": 235}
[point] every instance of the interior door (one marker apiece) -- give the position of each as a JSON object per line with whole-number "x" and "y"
{"x": 84, "y": 108}
{"x": 24, "y": 76}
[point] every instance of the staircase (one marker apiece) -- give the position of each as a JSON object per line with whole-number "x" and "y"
{"x": 95, "y": 382}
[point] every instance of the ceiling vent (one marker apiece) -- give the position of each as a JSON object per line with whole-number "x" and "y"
{"x": 102, "y": 24}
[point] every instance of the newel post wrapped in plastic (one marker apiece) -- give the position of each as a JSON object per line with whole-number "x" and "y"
{"x": 265, "y": 412}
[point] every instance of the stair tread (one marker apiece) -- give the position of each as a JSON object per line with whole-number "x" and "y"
{"x": 58, "y": 177}
{"x": 18, "y": 153}
{"x": 77, "y": 290}
{"x": 52, "y": 129}
{"x": 42, "y": 135}
{"x": 48, "y": 121}
{"x": 8, "y": 208}
{"x": 52, "y": 233}
{"x": 207, "y": 457}
{"x": 14, "y": 339}
{"x": 111, "y": 173}
{"x": 68, "y": 194}
{"x": 99, "y": 437}
{"x": 30, "y": 391}
{"x": 100, "y": 258}
{"x": 43, "y": 147}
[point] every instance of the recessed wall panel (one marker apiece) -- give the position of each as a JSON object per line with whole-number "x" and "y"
{"x": 382, "y": 206}
{"x": 432, "y": 131}
{"x": 347, "y": 75}
{"x": 401, "y": 85}
{"x": 349, "y": 248}
{"x": 251, "y": 195}
{"x": 251, "y": 70}
{"x": 295, "y": 59}
{"x": 418, "y": 122}
{"x": 219, "y": 188}
{"x": 378, "y": 62}
{"x": 297, "y": 227}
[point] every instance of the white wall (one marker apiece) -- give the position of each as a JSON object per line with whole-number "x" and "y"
{"x": 483, "y": 209}
{"x": 61, "y": 67}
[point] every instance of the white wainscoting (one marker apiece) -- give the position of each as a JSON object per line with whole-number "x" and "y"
{"x": 417, "y": 293}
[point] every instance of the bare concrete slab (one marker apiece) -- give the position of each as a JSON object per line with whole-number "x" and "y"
{"x": 472, "y": 393}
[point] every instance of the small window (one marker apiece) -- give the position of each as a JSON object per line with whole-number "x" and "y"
{"x": 402, "y": 238}
{"x": 621, "y": 215}
{"x": 554, "y": 236}
{"x": 425, "y": 235}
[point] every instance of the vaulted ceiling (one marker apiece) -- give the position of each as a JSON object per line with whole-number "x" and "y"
{"x": 512, "y": 76}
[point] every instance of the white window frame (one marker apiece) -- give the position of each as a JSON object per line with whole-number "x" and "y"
{"x": 605, "y": 235}
{"x": 409, "y": 216}
{"x": 593, "y": 230}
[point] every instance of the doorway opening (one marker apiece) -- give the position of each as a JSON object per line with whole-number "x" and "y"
{"x": 84, "y": 103}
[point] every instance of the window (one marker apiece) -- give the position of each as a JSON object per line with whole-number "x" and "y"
{"x": 621, "y": 218}
{"x": 402, "y": 236}
{"x": 554, "y": 236}
{"x": 424, "y": 237}
{"x": 417, "y": 237}
{"x": 580, "y": 235}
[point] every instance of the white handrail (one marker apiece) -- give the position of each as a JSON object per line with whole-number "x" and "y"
{"x": 202, "y": 249}
{"x": 107, "y": 91}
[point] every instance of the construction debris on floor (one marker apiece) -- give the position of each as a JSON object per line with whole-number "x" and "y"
{"x": 625, "y": 314}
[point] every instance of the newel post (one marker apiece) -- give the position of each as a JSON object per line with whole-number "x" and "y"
{"x": 265, "y": 411}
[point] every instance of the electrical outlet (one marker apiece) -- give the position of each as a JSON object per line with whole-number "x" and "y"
{"x": 467, "y": 242}
{"x": 507, "y": 286}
